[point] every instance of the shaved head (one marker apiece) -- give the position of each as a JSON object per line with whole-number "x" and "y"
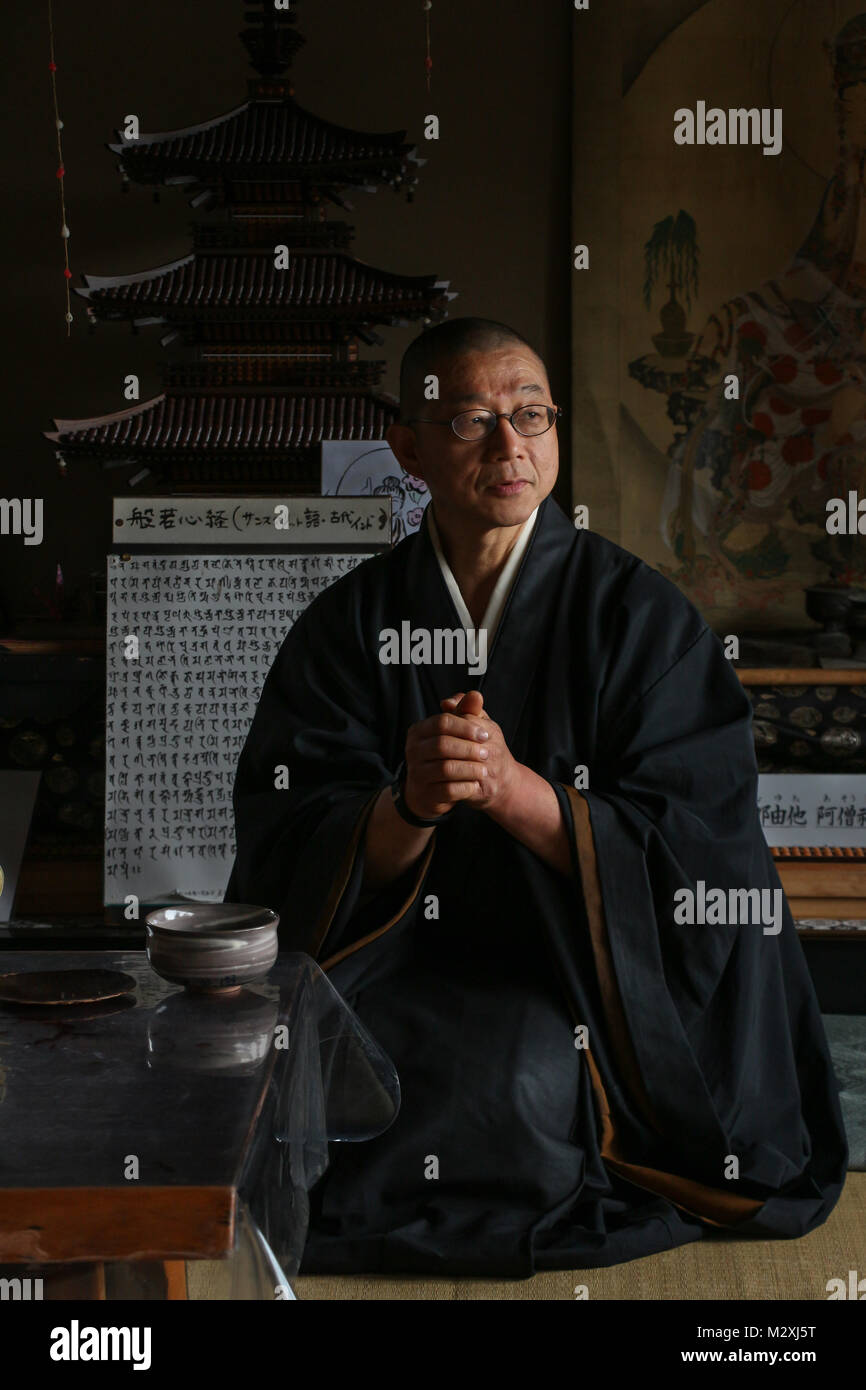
{"x": 480, "y": 488}
{"x": 439, "y": 344}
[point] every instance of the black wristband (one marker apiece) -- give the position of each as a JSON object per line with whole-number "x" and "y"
{"x": 397, "y": 788}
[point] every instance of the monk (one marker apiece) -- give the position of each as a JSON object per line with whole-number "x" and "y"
{"x": 521, "y": 836}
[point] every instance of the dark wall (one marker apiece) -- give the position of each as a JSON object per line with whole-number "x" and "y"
{"x": 491, "y": 212}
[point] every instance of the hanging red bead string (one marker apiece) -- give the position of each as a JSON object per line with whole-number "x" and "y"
{"x": 61, "y": 171}
{"x": 427, "y": 6}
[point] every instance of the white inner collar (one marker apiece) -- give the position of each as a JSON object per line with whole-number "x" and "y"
{"x": 504, "y": 583}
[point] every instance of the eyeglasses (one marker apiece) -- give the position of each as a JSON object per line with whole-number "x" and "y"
{"x": 478, "y": 424}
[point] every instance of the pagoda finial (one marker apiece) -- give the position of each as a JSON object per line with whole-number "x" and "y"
{"x": 270, "y": 38}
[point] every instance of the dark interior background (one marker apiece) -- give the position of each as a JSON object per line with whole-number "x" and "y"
{"x": 491, "y": 213}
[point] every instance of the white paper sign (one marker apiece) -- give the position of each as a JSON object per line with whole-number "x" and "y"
{"x": 251, "y": 521}
{"x": 803, "y": 808}
{"x": 367, "y": 468}
{"x": 208, "y": 628}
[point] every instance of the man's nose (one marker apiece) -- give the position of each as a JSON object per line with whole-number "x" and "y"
{"x": 505, "y": 439}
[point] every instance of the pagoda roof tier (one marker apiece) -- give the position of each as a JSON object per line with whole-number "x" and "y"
{"x": 268, "y": 334}
{"x": 298, "y": 370}
{"x": 274, "y": 196}
{"x": 266, "y": 139}
{"x": 296, "y": 473}
{"x": 223, "y": 286}
{"x": 267, "y": 231}
{"x": 214, "y": 425}
{"x": 315, "y": 332}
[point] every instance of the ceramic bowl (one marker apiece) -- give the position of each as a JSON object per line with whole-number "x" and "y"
{"x": 212, "y": 947}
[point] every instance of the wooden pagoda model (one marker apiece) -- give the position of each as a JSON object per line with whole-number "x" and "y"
{"x": 272, "y": 363}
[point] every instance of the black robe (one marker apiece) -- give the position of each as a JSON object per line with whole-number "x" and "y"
{"x": 517, "y": 1148}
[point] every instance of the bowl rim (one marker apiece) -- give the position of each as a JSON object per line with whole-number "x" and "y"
{"x": 269, "y": 920}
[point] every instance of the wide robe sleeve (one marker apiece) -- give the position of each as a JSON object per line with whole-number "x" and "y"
{"x": 710, "y": 1064}
{"x": 300, "y": 847}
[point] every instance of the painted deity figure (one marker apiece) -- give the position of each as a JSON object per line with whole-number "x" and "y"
{"x": 747, "y": 495}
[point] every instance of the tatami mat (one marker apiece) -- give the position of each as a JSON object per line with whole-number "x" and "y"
{"x": 719, "y": 1267}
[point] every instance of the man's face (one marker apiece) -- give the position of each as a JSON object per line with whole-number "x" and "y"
{"x": 497, "y": 481}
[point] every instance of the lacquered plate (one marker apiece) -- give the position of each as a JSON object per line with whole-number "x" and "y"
{"x": 64, "y": 986}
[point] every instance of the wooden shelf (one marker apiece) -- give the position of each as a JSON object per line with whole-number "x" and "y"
{"x": 799, "y": 675}
{"x": 824, "y": 888}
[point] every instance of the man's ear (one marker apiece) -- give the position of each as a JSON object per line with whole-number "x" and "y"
{"x": 401, "y": 439}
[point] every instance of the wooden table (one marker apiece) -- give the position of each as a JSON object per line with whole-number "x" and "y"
{"x": 127, "y": 1127}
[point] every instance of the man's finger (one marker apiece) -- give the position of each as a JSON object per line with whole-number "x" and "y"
{"x": 440, "y": 746}
{"x": 472, "y": 703}
{"x": 454, "y": 724}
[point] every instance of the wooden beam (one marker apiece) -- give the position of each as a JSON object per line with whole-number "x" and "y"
{"x": 41, "y": 1224}
{"x": 839, "y": 878}
{"x": 175, "y": 1279}
{"x": 798, "y": 675}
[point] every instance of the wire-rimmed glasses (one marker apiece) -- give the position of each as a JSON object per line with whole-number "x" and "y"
{"x": 473, "y": 425}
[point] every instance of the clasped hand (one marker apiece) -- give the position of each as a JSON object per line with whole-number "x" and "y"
{"x": 459, "y": 755}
